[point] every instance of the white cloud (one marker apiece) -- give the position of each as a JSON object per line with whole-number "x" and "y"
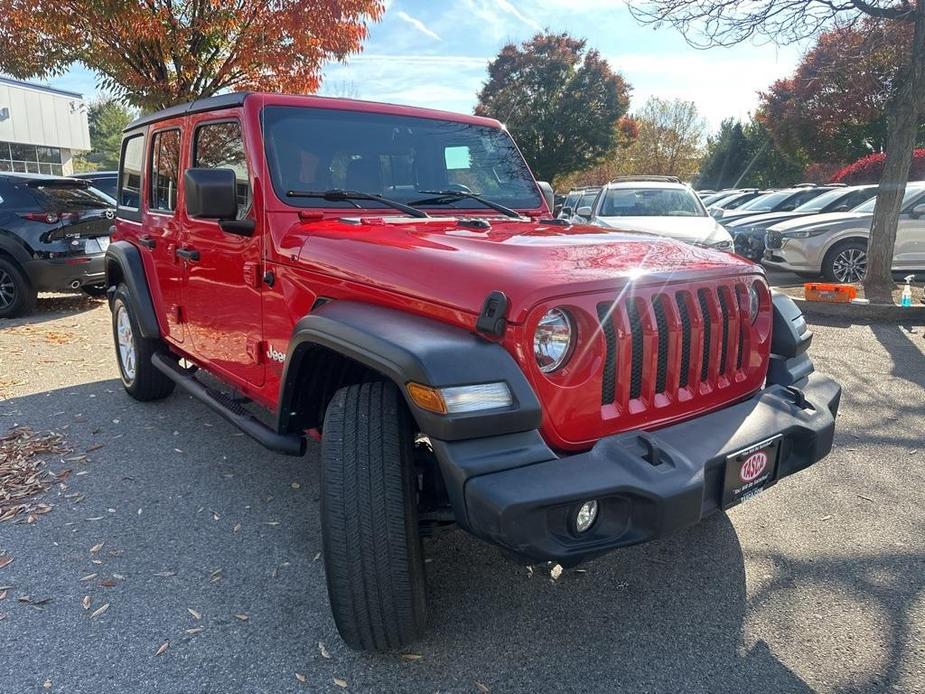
{"x": 509, "y": 8}
{"x": 417, "y": 24}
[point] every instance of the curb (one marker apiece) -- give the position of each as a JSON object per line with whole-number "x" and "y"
{"x": 873, "y": 312}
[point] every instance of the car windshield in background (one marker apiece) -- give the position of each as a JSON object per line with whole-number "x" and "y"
{"x": 650, "y": 202}
{"x": 69, "y": 197}
{"x": 912, "y": 192}
{"x": 587, "y": 199}
{"x": 820, "y": 202}
{"x": 398, "y": 157}
{"x": 766, "y": 203}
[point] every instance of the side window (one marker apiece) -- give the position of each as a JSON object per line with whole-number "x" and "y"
{"x": 164, "y": 173}
{"x": 130, "y": 172}
{"x": 220, "y": 146}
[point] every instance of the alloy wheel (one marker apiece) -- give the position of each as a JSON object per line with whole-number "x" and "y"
{"x": 126, "y": 342}
{"x": 850, "y": 265}
{"x": 7, "y": 289}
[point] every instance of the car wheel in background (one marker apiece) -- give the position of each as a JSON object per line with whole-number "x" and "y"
{"x": 95, "y": 291}
{"x": 133, "y": 352}
{"x": 17, "y": 297}
{"x": 846, "y": 262}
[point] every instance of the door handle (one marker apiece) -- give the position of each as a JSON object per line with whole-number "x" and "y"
{"x": 189, "y": 254}
{"x": 147, "y": 241}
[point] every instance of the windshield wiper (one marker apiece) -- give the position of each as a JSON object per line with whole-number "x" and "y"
{"x": 453, "y": 195}
{"x": 351, "y": 196}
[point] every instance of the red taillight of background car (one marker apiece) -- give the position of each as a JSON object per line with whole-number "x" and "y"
{"x": 50, "y": 217}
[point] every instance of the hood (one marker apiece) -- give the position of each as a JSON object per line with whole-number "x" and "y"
{"x": 443, "y": 261}
{"x": 829, "y": 218}
{"x": 688, "y": 229}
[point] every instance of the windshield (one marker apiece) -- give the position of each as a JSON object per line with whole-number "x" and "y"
{"x": 651, "y": 202}
{"x": 819, "y": 203}
{"x": 766, "y": 203}
{"x": 398, "y": 157}
{"x": 716, "y": 197}
{"x": 868, "y": 207}
{"x": 587, "y": 199}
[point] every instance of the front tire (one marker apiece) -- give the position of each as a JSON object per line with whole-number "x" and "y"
{"x": 133, "y": 352}
{"x": 17, "y": 297}
{"x": 373, "y": 558}
{"x": 846, "y": 262}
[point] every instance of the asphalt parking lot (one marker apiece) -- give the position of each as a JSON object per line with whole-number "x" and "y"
{"x": 211, "y": 546}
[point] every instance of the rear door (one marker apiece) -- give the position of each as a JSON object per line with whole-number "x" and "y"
{"x": 222, "y": 290}
{"x": 160, "y": 232}
{"x": 909, "y": 251}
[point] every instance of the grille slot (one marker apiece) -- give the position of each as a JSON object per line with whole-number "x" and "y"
{"x": 707, "y": 337}
{"x": 723, "y": 352}
{"x": 685, "y": 340}
{"x": 609, "y": 380}
{"x": 632, "y": 312}
{"x": 661, "y": 322}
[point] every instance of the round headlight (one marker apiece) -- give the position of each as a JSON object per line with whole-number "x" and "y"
{"x": 754, "y": 301}
{"x": 552, "y": 341}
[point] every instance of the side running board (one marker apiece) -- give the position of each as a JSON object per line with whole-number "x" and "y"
{"x": 287, "y": 444}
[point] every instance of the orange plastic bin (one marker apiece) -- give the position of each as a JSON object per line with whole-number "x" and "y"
{"x": 831, "y": 293}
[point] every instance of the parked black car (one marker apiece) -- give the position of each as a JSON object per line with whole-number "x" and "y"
{"x": 53, "y": 234}
{"x": 748, "y": 232}
{"x": 104, "y": 181}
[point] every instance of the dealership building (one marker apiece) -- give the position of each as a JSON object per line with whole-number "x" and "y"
{"x": 41, "y": 129}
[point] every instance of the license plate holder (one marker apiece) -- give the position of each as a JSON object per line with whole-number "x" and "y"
{"x": 750, "y": 471}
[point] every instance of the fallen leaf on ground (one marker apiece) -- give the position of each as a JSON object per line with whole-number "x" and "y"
{"x": 194, "y": 630}
{"x": 5, "y": 560}
{"x": 96, "y": 548}
{"x": 482, "y": 688}
{"x": 412, "y": 656}
{"x": 86, "y": 602}
{"x": 163, "y": 647}
{"x": 340, "y": 682}
{"x": 299, "y": 676}
{"x": 196, "y": 615}
{"x": 99, "y": 610}
{"x": 107, "y": 583}
{"x": 46, "y": 684}
{"x": 323, "y": 650}
{"x": 243, "y": 617}
{"x": 22, "y": 471}
{"x": 88, "y": 577}
{"x": 556, "y": 572}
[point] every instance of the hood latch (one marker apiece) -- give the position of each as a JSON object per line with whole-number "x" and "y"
{"x": 491, "y": 320}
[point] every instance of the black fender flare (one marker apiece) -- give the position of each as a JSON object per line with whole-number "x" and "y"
{"x": 15, "y": 247}
{"x": 124, "y": 256}
{"x": 404, "y": 348}
{"x": 790, "y": 341}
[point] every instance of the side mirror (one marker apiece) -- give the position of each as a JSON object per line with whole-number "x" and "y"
{"x": 716, "y": 212}
{"x": 566, "y": 212}
{"x": 212, "y": 194}
{"x": 548, "y": 193}
{"x": 584, "y": 212}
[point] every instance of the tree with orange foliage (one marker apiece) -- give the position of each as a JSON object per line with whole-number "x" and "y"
{"x": 156, "y": 53}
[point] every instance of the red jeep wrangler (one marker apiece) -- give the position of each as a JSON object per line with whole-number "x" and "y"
{"x": 391, "y": 279}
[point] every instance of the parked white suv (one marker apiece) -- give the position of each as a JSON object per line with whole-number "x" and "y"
{"x": 659, "y": 205}
{"x": 834, "y": 245}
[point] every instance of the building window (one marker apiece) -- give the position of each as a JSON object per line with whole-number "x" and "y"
{"x": 30, "y": 159}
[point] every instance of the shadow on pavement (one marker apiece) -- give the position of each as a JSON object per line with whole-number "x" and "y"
{"x": 664, "y": 616}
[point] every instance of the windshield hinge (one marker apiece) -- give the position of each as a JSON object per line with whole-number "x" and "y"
{"x": 491, "y": 320}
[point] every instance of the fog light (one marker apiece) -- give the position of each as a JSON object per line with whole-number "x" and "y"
{"x": 587, "y": 514}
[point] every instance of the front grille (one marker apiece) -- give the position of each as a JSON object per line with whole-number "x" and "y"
{"x": 774, "y": 239}
{"x": 672, "y": 341}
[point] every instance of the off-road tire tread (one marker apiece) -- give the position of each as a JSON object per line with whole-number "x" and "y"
{"x": 149, "y": 384}
{"x": 372, "y": 551}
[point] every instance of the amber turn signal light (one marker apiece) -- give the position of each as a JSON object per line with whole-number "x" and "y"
{"x": 427, "y": 398}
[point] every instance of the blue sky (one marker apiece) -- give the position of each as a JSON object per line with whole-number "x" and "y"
{"x": 434, "y": 53}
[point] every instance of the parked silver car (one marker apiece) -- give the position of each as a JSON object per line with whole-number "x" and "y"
{"x": 834, "y": 245}
{"x": 657, "y": 205}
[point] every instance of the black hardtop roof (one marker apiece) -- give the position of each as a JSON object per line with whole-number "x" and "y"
{"x": 211, "y": 103}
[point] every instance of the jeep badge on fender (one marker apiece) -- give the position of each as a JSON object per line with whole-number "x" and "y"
{"x": 558, "y": 390}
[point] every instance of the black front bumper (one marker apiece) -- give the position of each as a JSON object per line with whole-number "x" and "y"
{"x": 512, "y": 491}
